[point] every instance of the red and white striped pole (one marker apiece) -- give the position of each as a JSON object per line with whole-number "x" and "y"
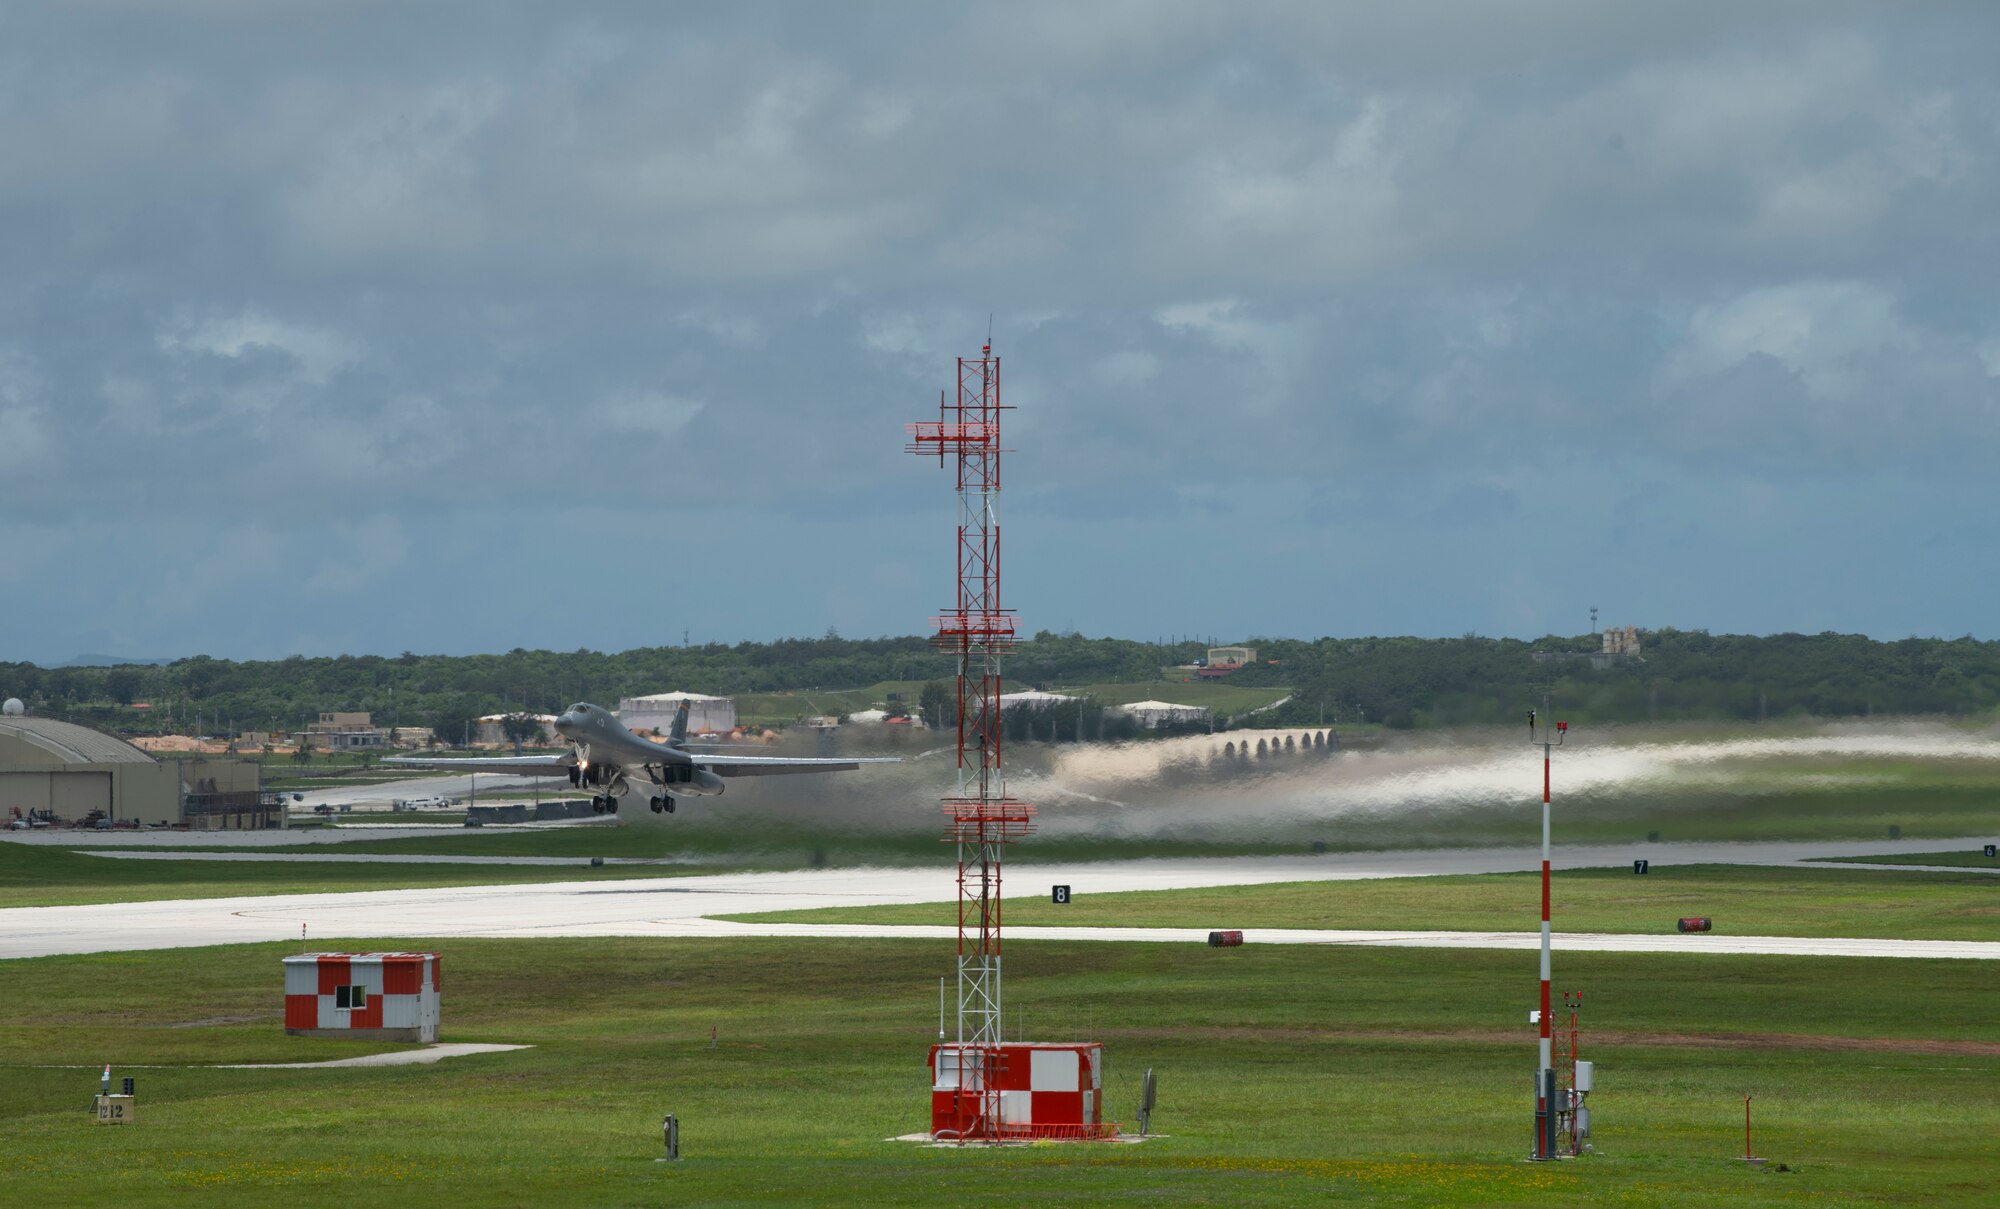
{"x": 1545, "y": 1073}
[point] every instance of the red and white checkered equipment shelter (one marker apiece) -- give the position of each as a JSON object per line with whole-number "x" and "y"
{"x": 378, "y": 996}
{"x": 1035, "y": 1089}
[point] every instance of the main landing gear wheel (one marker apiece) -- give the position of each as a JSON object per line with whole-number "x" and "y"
{"x": 663, "y": 803}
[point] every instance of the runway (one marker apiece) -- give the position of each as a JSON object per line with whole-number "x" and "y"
{"x": 682, "y": 906}
{"x": 391, "y": 827}
{"x": 371, "y": 858}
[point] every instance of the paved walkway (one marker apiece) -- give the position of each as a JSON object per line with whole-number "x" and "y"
{"x": 404, "y": 1057}
{"x": 374, "y": 858}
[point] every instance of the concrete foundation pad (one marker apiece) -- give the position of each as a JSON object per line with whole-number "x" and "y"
{"x": 412, "y": 1057}
{"x": 924, "y": 1139}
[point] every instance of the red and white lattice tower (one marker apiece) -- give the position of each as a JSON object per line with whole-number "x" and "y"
{"x": 981, "y": 818}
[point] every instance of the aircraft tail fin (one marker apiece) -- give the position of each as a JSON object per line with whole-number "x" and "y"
{"x": 677, "y": 737}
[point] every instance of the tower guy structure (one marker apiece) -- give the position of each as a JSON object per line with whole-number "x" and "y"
{"x": 981, "y": 819}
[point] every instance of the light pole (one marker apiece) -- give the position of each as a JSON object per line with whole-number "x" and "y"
{"x": 1545, "y": 1072}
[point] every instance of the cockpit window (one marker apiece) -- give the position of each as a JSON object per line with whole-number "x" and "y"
{"x": 579, "y": 708}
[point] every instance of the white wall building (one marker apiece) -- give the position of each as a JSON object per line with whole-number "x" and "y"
{"x": 655, "y": 711}
{"x": 1036, "y": 700}
{"x": 1154, "y": 714}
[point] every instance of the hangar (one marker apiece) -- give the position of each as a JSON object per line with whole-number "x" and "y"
{"x": 61, "y": 769}
{"x": 655, "y": 711}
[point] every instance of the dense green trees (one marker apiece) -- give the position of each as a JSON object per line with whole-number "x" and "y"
{"x": 1419, "y": 682}
{"x": 1403, "y": 682}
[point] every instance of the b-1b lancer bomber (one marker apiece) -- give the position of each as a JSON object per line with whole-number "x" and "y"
{"x": 615, "y": 763}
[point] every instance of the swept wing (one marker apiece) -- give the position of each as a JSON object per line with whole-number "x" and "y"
{"x": 717, "y": 763}
{"x": 765, "y": 766}
{"x": 520, "y": 766}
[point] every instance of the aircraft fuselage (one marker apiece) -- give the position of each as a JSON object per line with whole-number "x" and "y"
{"x": 617, "y": 762}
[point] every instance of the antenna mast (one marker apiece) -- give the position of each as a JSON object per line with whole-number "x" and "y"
{"x": 981, "y": 819}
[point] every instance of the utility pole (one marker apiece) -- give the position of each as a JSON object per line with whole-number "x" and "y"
{"x": 1545, "y": 1072}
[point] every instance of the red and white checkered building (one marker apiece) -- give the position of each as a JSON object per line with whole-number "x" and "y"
{"x": 1035, "y": 1089}
{"x": 379, "y": 996}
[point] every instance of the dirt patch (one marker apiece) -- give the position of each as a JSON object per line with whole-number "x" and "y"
{"x": 1879, "y": 1045}
{"x": 213, "y": 1021}
{"x": 1596, "y": 1038}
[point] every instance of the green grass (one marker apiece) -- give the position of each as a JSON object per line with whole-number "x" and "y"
{"x": 1746, "y": 901}
{"x": 782, "y": 708}
{"x": 1287, "y": 1075}
{"x": 755, "y": 841}
{"x": 36, "y": 876}
{"x": 1963, "y": 860}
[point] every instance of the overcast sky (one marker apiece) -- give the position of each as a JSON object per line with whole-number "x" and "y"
{"x": 349, "y": 327}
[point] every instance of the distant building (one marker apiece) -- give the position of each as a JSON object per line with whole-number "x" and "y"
{"x": 1223, "y": 660}
{"x": 1154, "y": 714}
{"x": 1615, "y": 644}
{"x": 337, "y": 731}
{"x": 70, "y": 772}
{"x": 706, "y": 715}
{"x": 1032, "y": 699}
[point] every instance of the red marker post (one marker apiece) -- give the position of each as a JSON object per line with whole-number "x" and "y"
{"x": 1749, "y": 1156}
{"x": 1545, "y": 1072}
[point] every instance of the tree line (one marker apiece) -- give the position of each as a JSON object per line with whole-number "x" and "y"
{"x": 1398, "y": 682}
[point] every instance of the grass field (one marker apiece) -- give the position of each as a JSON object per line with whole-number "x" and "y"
{"x": 1745, "y": 901}
{"x": 778, "y": 709}
{"x": 752, "y": 841}
{"x": 1963, "y": 860}
{"x": 47, "y": 877}
{"x": 1287, "y": 1074}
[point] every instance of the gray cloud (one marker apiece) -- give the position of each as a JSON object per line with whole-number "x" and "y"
{"x": 364, "y": 300}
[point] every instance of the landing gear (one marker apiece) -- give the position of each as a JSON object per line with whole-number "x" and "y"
{"x": 663, "y": 804}
{"x": 604, "y": 805}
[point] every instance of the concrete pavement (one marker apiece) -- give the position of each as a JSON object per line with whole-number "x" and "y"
{"x": 681, "y": 906}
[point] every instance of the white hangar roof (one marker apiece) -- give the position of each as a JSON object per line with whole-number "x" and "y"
{"x": 71, "y": 743}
